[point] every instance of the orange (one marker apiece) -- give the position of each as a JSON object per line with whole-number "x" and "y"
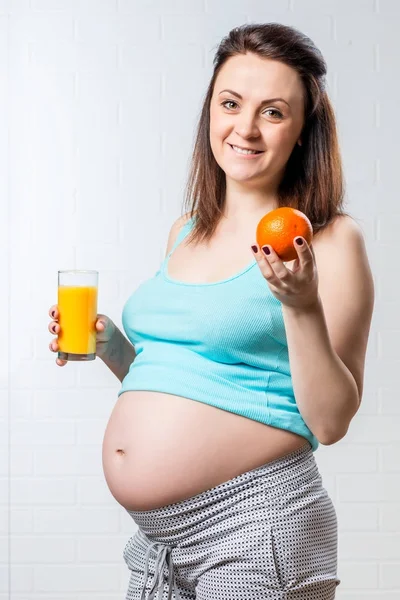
{"x": 279, "y": 227}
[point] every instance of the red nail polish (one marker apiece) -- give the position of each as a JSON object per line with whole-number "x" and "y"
{"x": 254, "y": 248}
{"x": 266, "y": 250}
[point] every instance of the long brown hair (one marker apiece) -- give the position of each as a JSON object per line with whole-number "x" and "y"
{"x": 313, "y": 178}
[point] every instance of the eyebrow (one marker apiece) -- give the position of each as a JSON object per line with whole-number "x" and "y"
{"x": 262, "y": 102}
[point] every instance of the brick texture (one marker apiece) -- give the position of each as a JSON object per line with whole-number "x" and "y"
{"x": 96, "y": 126}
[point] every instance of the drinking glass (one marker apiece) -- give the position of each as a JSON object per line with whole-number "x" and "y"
{"x": 77, "y": 307}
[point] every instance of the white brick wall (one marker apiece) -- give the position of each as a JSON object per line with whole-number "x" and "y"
{"x": 97, "y": 113}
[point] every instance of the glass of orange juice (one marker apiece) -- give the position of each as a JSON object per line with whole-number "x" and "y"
{"x": 77, "y": 307}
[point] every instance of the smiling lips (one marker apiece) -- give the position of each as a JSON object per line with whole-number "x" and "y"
{"x": 245, "y": 152}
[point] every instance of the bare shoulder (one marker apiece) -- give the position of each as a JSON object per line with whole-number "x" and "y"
{"x": 343, "y": 236}
{"x": 340, "y": 255}
{"x": 342, "y": 227}
{"x": 175, "y": 229}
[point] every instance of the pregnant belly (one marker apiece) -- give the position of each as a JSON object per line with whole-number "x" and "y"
{"x": 159, "y": 448}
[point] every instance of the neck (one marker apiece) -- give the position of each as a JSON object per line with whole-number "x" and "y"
{"x": 245, "y": 204}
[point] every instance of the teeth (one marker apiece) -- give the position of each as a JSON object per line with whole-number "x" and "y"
{"x": 241, "y": 151}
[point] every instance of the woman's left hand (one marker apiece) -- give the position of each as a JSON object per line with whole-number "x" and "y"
{"x": 297, "y": 287}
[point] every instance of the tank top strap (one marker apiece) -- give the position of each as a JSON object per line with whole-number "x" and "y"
{"x": 183, "y": 232}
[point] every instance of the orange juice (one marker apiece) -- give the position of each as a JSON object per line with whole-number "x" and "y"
{"x": 77, "y": 306}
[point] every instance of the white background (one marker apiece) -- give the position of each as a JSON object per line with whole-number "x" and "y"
{"x": 98, "y": 105}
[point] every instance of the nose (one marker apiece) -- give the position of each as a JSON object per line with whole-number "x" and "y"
{"x": 246, "y": 125}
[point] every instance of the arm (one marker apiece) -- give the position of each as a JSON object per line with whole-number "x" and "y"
{"x": 119, "y": 353}
{"x": 328, "y": 341}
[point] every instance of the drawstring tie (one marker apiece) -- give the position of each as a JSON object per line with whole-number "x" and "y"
{"x": 164, "y": 559}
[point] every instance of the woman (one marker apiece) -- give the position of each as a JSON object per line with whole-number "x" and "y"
{"x": 240, "y": 364}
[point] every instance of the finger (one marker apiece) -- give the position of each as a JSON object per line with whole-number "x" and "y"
{"x": 53, "y": 346}
{"x": 296, "y": 266}
{"x": 304, "y": 252}
{"x": 277, "y": 265}
{"x": 60, "y": 362}
{"x": 100, "y": 325}
{"x": 54, "y": 327}
{"x": 53, "y": 312}
{"x": 264, "y": 265}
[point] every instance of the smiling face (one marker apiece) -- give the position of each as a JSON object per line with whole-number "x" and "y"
{"x": 265, "y": 113}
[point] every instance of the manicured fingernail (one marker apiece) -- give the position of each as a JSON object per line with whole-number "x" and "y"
{"x": 53, "y": 313}
{"x": 254, "y": 248}
{"x": 266, "y": 250}
{"x": 299, "y": 241}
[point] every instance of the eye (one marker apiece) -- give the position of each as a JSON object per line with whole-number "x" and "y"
{"x": 278, "y": 115}
{"x": 228, "y": 102}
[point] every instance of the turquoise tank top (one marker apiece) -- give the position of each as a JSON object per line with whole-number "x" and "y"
{"x": 221, "y": 343}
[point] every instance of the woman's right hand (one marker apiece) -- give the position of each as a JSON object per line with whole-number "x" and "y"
{"x": 105, "y": 329}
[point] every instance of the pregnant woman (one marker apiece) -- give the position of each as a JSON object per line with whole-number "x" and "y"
{"x": 238, "y": 364}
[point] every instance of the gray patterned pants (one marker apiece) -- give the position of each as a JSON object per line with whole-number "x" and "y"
{"x": 267, "y": 534}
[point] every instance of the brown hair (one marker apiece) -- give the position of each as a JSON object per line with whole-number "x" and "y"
{"x": 313, "y": 178}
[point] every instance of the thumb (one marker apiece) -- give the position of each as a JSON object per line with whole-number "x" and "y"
{"x": 296, "y": 265}
{"x": 101, "y": 323}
